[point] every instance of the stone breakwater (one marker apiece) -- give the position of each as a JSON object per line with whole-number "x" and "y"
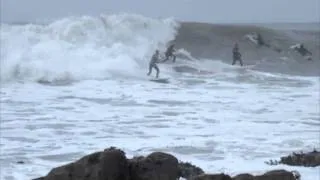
{"x": 112, "y": 164}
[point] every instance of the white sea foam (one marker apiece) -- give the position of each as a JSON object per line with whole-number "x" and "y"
{"x": 78, "y": 48}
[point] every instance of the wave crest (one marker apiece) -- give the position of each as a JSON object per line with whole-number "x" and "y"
{"x": 83, "y": 47}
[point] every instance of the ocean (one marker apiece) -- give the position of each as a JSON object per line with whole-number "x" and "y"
{"x": 77, "y": 85}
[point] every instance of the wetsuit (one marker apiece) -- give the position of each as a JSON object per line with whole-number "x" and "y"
{"x": 261, "y": 42}
{"x": 169, "y": 53}
{"x": 236, "y": 56}
{"x": 152, "y": 64}
{"x": 303, "y": 51}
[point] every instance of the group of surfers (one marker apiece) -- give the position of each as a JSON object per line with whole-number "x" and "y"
{"x": 170, "y": 53}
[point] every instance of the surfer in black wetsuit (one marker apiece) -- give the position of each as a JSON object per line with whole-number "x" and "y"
{"x": 303, "y": 51}
{"x": 260, "y": 40}
{"x": 152, "y": 63}
{"x": 236, "y": 54}
{"x": 169, "y": 53}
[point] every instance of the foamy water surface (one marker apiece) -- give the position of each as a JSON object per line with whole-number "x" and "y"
{"x": 215, "y": 124}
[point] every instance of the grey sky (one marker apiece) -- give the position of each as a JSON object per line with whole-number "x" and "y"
{"x": 190, "y": 10}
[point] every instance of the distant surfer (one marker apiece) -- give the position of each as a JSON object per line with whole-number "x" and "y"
{"x": 302, "y": 51}
{"x": 260, "y": 40}
{"x": 170, "y": 53}
{"x": 236, "y": 54}
{"x": 153, "y": 63}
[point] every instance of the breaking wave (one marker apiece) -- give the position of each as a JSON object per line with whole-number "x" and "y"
{"x": 79, "y": 48}
{"x": 111, "y": 46}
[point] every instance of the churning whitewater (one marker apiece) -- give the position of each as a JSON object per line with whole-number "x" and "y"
{"x": 82, "y": 48}
{"x": 79, "y": 84}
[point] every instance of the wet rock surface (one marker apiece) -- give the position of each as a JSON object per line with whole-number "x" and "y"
{"x": 157, "y": 166}
{"x": 112, "y": 164}
{"x": 307, "y": 159}
{"x": 270, "y": 175}
{"x": 277, "y": 175}
{"x": 310, "y": 159}
{"x": 109, "y": 164}
{"x": 187, "y": 170}
{"x": 212, "y": 177}
{"x": 243, "y": 177}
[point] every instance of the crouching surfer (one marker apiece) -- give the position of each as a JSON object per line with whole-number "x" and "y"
{"x": 153, "y": 63}
{"x": 170, "y": 53}
{"x": 261, "y": 42}
{"x": 302, "y": 51}
{"x": 236, "y": 55}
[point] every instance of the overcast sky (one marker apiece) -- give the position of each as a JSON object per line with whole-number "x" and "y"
{"x": 188, "y": 10}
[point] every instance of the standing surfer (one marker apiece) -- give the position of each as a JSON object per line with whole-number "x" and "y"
{"x": 152, "y": 63}
{"x": 261, "y": 41}
{"x": 236, "y": 54}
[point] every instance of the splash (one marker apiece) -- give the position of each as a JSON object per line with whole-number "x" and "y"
{"x": 80, "y": 48}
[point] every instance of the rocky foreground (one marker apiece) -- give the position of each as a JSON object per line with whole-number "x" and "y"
{"x": 112, "y": 164}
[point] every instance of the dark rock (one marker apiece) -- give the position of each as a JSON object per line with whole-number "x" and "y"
{"x": 212, "y": 177}
{"x": 41, "y": 178}
{"x": 156, "y": 166}
{"x": 276, "y": 175}
{"x": 243, "y": 177}
{"x": 270, "y": 175}
{"x": 188, "y": 170}
{"x": 110, "y": 164}
{"x": 311, "y": 159}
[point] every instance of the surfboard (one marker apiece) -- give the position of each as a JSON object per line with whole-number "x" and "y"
{"x": 205, "y": 72}
{"x": 248, "y": 66}
{"x": 160, "y": 80}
